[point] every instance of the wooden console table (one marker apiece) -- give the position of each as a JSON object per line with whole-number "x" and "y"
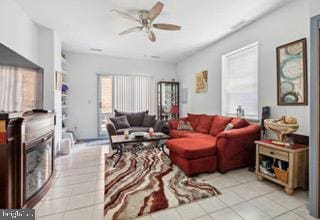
{"x": 297, "y": 158}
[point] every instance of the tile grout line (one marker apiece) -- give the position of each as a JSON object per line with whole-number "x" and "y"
{"x": 62, "y": 212}
{"x": 70, "y": 195}
{"x": 298, "y": 213}
{"x": 60, "y": 172}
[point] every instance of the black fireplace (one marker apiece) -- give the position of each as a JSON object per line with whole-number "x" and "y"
{"x": 38, "y": 168}
{"x": 38, "y": 146}
{"x": 26, "y": 137}
{"x": 26, "y": 158}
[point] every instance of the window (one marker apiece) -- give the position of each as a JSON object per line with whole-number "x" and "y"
{"x": 124, "y": 93}
{"x": 106, "y": 94}
{"x": 20, "y": 89}
{"x": 133, "y": 93}
{"x": 31, "y": 89}
{"x": 240, "y": 81}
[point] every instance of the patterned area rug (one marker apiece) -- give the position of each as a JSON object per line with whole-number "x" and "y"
{"x": 145, "y": 182}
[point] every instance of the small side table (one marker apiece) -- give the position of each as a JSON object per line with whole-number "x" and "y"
{"x": 297, "y": 158}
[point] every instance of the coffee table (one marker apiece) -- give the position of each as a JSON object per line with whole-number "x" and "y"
{"x": 119, "y": 142}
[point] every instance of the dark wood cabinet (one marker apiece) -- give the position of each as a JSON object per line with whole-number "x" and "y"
{"x": 26, "y": 145}
{"x": 11, "y": 185}
{"x": 168, "y": 100}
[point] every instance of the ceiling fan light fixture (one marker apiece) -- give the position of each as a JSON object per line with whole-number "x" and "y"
{"x": 145, "y": 20}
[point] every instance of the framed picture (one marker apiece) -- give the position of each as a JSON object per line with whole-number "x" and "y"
{"x": 292, "y": 73}
{"x": 202, "y": 82}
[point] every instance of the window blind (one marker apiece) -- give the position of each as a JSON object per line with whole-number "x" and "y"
{"x": 240, "y": 81}
{"x": 133, "y": 93}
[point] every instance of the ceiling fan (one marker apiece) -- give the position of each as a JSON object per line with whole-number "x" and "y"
{"x": 145, "y": 20}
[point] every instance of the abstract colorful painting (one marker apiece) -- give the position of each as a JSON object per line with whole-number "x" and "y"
{"x": 202, "y": 82}
{"x": 292, "y": 73}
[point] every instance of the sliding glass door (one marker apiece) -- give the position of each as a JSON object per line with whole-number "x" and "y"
{"x": 128, "y": 93}
{"x": 105, "y": 102}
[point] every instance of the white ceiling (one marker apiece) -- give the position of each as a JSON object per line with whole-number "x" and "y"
{"x": 85, "y": 24}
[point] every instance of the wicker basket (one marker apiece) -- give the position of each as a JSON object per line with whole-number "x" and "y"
{"x": 281, "y": 175}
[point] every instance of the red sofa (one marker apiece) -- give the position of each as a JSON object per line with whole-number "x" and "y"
{"x": 208, "y": 147}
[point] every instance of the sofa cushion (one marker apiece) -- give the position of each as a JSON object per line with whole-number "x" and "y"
{"x": 205, "y": 123}
{"x": 134, "y": 118}
{"x": 219, "y": 123}
{"x": 189, "y": 134}
{"x": 133, "y": 129}
{"x": 184, "y": 125}
{"x": 239, "y": 123}
{"x": 120, "y": 122}
{"x": 178, "y": 133}
{"x": 192, "y": 148}
{"x": 194, "y": 120}
{"x": 148, "y": 120}
{"x": 198, "y": 135}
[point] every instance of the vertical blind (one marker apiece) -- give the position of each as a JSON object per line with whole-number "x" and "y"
{"x": 133, "y": 93}
{"x": 240, "y": 81}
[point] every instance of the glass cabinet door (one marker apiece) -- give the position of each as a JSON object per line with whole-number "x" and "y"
{"x": 168, "y": 100}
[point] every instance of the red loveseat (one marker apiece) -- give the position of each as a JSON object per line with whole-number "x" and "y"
{"x": 208, "y": 147}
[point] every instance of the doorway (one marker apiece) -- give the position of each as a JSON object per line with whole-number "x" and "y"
{"x": 314, "y": 146}
{"x": 105, "y": 102}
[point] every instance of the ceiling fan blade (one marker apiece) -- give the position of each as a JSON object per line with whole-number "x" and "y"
{"x": 125, "y": 15}
{"x": 151, "y": 36}
{"x": 155, "y": 10}
{"x": 130, "y": 30}
{"x": 168, "y": 27}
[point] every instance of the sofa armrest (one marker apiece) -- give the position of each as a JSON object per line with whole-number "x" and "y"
{"x": 111, "y": 128}
{"x": 236, "y": 148}
{"x": 158, "y": 125}
{"x": 249, "y": 130}
{"x": 173, "y": 124}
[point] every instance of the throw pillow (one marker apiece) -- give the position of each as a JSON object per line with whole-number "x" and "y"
{"x": 135, "y": 118}
{"x": 229, "y": 127}
{"x": 173, "y": 124}
{"x": 219, "y": 123}
{"x": 120, "y": 122}
{"x": 194, "y": 120}
{"x": 239, "y": 123}
{"x": 205, "y": 124}
{"x": 184, "y": 125}
{"x": 148, "y": 120}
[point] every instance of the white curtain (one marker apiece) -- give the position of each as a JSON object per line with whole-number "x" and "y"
{"x": 133, "y": 93}
{"x": 10, "y": 89}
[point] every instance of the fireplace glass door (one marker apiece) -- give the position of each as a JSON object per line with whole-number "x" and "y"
{"x": 38, "y": 165}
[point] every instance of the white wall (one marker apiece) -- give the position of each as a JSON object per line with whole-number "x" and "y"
{"x": 17, "y": 31}
{"x": 57, "y": 92}
{"x": 82, "y": 78}
{"x": 282, "y": 26}
{"x": 38, "y": 44}
{"x": 315, "y": 7}
{"x": 49, "y": 51}
{"x": 46, "y": 61}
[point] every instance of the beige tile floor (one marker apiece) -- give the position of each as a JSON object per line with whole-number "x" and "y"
{"x": 77, "y": 194}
